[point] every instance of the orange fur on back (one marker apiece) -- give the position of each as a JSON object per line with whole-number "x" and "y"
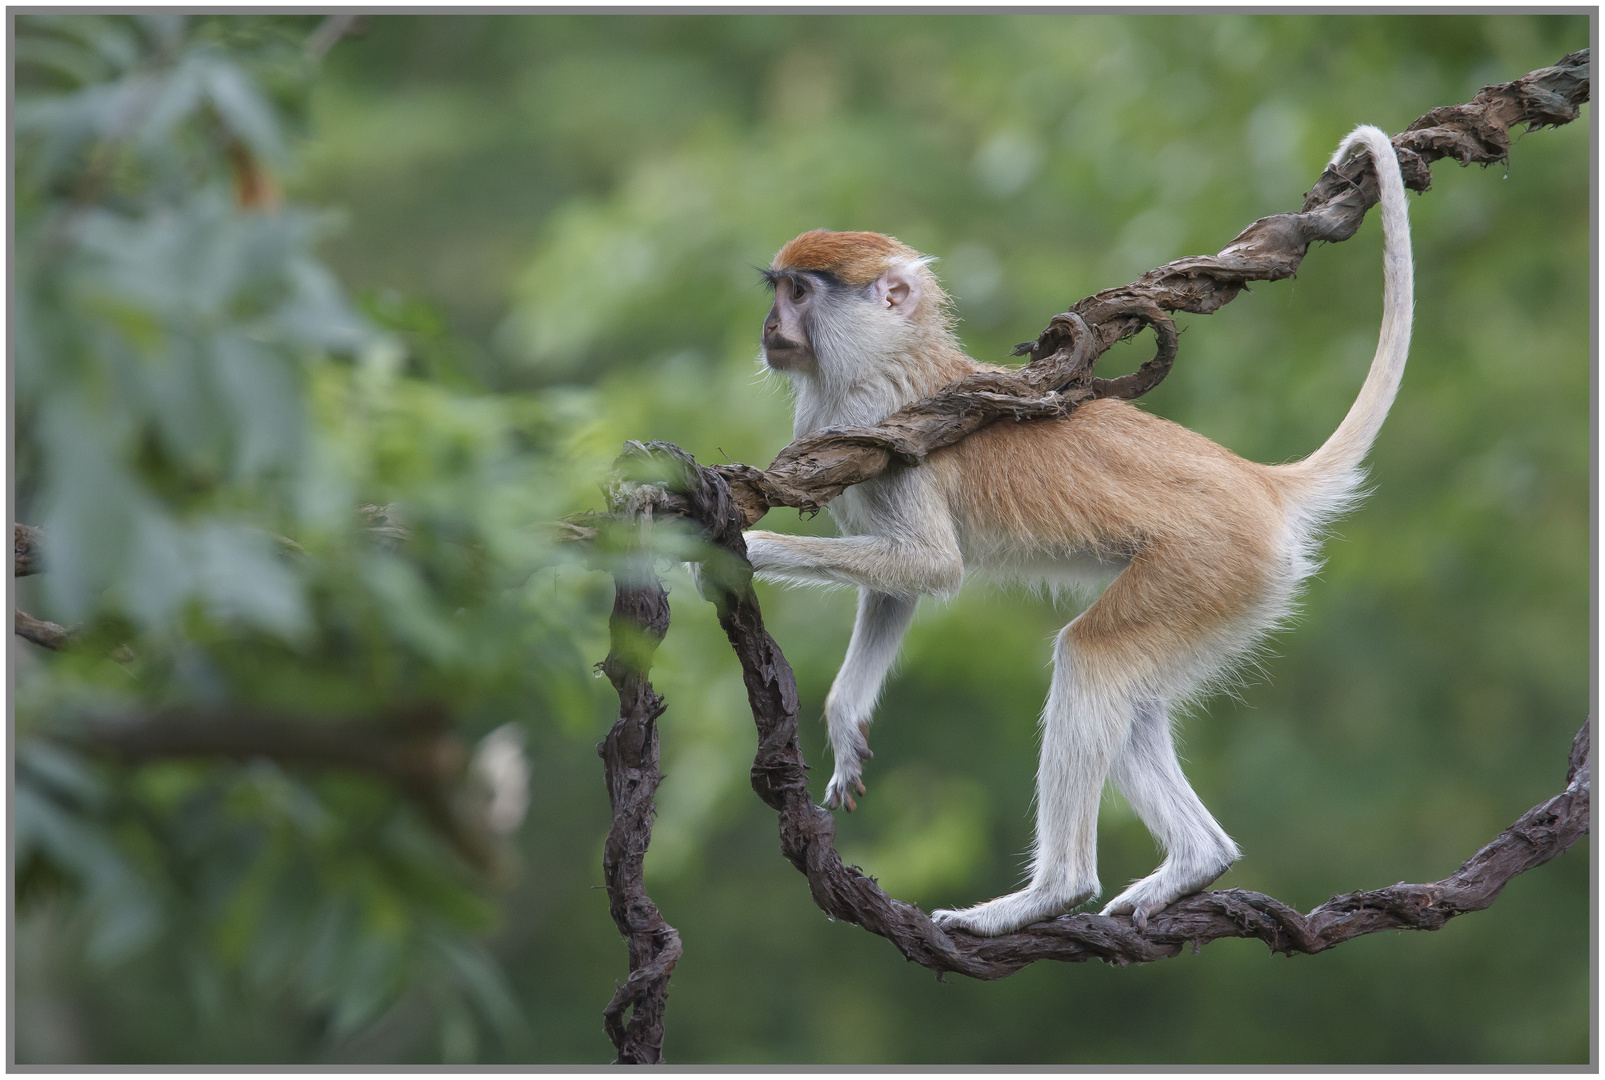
{"x": 1202, "y": 527}
{"x": 1110, "y": 475}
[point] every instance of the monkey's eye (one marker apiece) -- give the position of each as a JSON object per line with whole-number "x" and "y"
{"x": 797, "y": 291}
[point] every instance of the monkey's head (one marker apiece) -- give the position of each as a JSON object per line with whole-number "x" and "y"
{"x": 842, "y": 297}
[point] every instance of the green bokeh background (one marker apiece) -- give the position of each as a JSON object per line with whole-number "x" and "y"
{"x": 568, "y": 209}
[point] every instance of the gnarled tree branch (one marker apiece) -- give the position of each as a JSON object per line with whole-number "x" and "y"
{"x": 630, "y": 760}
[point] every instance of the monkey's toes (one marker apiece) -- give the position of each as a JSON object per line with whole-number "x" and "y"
{"x": 1139, "y": 906}
{"x": 979, "y": 920}
{"x": 1009, "y": 913}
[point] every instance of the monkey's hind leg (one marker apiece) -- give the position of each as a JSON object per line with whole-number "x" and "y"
{"x": 1083, "y": 726}
{"x": 1159, "y": 629}
{"x": 1196, "y": 849}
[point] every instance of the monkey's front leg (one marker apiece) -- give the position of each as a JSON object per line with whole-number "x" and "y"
{"x": 892, "y": 574}
{"x": 909, "y": 566}
{"x": 877, "y": 634}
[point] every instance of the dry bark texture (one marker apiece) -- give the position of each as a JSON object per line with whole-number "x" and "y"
{"x": 630, "y": 760}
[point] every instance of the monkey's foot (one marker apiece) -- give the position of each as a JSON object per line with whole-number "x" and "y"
{"x": 1154, "y": 893}
{"x": 1009, "y": 913}
{"x": 842, "y": 783}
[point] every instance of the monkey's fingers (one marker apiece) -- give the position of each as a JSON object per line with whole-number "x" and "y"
{"x": 848, "y": 799}
{"x": 860, "y": 786}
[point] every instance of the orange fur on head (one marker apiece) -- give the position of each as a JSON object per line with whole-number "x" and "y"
{"x": 858, "y": 258}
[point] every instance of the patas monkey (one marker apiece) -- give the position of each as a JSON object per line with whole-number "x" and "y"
{"x": 1206, "y": 550}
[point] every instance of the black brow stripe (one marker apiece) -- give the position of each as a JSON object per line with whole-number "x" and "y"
{"x": 822, "y": 277}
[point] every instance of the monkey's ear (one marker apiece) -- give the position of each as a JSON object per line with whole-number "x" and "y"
{"x": 898, "y": 289}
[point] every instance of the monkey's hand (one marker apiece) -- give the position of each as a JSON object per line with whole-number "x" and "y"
{"x": 695, "y": 570}
{"x": 720, "y": 575}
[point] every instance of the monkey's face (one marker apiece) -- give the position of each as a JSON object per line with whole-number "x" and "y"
{"x": 820, "y": 322}
{"x": 787, "y": 340}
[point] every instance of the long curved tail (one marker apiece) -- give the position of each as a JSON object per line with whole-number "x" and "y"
{"x": 1331, "y": 477}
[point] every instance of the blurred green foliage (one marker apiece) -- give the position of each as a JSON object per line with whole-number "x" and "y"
{"x": 549, "y": 223}
{"x": 201, "y": 411}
